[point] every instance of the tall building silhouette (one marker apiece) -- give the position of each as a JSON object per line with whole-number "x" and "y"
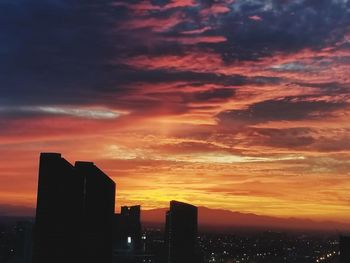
{"x": 98, "y": 212}
{"x": 75, "y": 208}
{"x": 181, "y": 232}
{"x": 344, "y": 249}
{"x": 127, "y": 229}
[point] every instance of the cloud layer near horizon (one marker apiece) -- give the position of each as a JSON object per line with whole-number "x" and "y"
{"x": 242, "y": 105}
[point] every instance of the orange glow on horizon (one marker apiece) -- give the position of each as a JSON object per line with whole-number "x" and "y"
{"x": 219, "y": 104}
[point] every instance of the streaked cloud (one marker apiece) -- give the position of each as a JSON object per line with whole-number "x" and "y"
{"x": 225, "y": 103}
{"x": 60, "y": 111}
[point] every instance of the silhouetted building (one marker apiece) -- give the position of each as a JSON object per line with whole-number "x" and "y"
{"x": 75, "y": 208}
{"x": 98, "y": 212}
{"x": 181, "y": 233}
{"x": 127, "y": 229}
{"x": 58, "y": 212}
{"x": 24, "y": 241}
{"x": 128, "y": 245}
{"x": 344, "y": 249}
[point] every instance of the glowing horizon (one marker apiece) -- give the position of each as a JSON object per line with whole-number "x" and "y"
{"x": 230, "y": 104}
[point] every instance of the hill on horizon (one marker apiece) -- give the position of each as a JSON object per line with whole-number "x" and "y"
{"x": 213, "y": 219}
{"x": 225, "y": 219}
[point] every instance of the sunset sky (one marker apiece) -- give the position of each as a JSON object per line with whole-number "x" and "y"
{"x": 242, "y": 105}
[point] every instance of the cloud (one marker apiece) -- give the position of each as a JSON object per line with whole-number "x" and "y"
{"x": 285, "y": 27}
{"x": 219, "y": 92}
{"x": 286, "y": 109}
{"x": 59, "y": 111}
{"x": 288, "y": 138}
{"x": 77, "y": 56}
{"x": 214, "y": 94}
{"x": 54, "y": 51}
{"x": 256, "y": 18}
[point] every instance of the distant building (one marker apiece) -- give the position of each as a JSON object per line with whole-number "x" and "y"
{"x": 344, "y": 249}
{"x": 74, "y": 215}
{"x": 181, "y": 233}
{"x": 24, "y": 241}
{"x": 127, "y": 229}
{"x": 129, "y": 244}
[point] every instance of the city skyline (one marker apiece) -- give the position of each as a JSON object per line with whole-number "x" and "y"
{"x": 75, "y": 221}
{"x": 229, "y": 104}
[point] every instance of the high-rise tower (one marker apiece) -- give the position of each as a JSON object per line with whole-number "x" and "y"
{"x": 98, "y": 213}
{"x": 75, "y": 208}
{"x": 181, "y": 232}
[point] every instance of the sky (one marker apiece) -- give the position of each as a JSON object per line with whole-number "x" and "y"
{"x": 241, "y": 105}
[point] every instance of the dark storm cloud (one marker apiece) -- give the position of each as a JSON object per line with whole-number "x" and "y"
{"x": 52, "y": 50}
{"x": 129, "y": 75}
{"x": 213, "y": 94}
{"x": 285, "y": 26}
{"x": 59, "y": 52}
{"x": 329, "y": 88}
{"x": 305, "y": 139}
{"x": 289, "y": 138}
{"x": 286, "y": 109}
{"x": 62, "y": 52}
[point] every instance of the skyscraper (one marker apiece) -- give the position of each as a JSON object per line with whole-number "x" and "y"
{"x": 58, "y": 211}
{"x": 98, "y": 212}
{"x": 344, "y": 249}
{"x": 75, "y": 208}
{"x": 181, "y": 233}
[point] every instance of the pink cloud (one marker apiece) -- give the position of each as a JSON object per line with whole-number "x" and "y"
{"x": 256, "y": 18}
